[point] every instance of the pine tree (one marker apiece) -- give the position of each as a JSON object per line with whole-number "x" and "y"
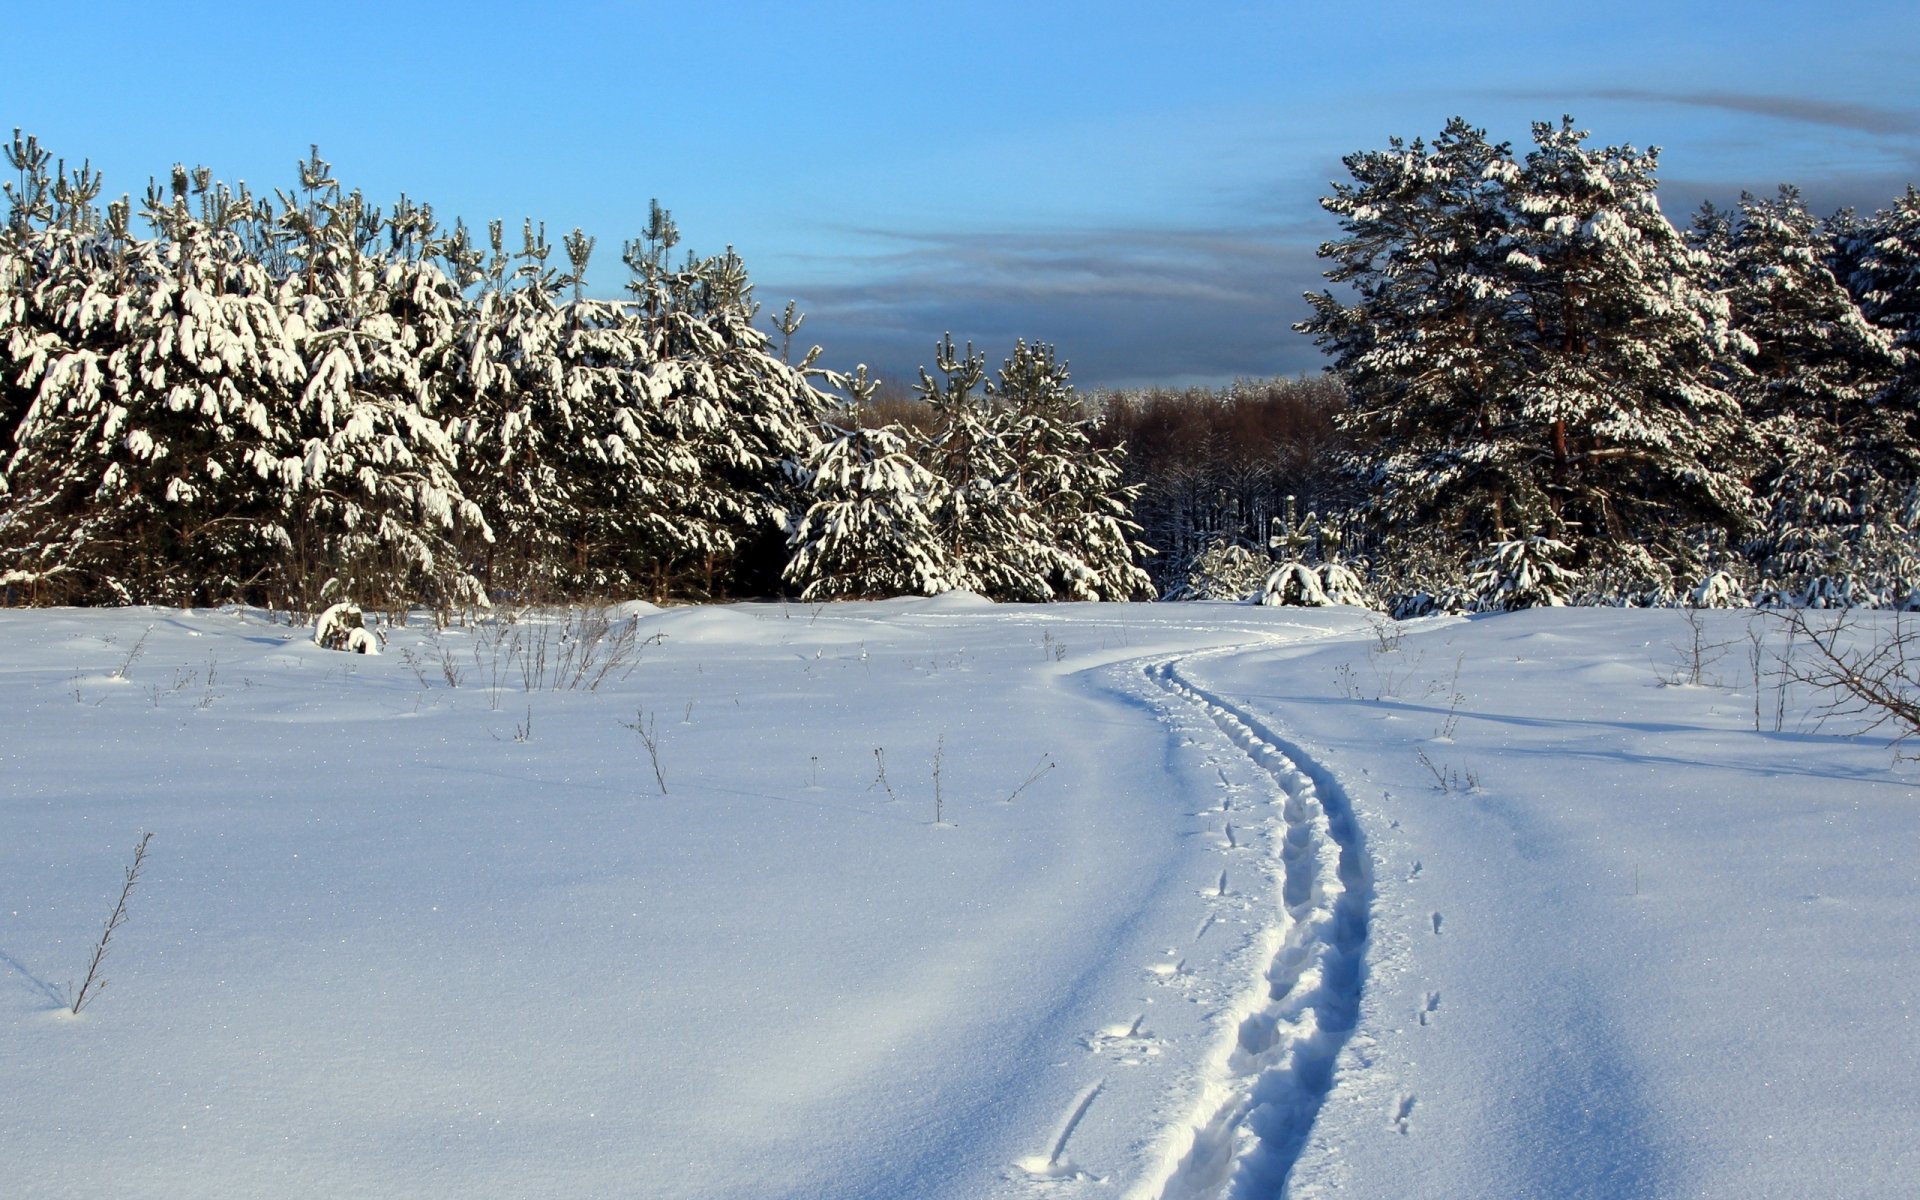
{"x": 1886, "y": 280}
{"x": 868, "y": 532}
{"x": 159, "y": 372}
{"x": 1622, "y": 392}
{"x": 1086, "y": 543}
{"x": 1522, "y": 573}
{"x": 1227, "y": 569}
{"x": 1531, "y": 351}
{"x": 372, "y": 506}
{"x": 990, "y": 534}
{"x": 1814, "y": 396}
{"x": 738, "y": 418}
{"x": 1430, "y": 348}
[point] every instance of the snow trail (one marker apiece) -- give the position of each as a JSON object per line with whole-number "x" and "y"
{"x": 1264, "y": 1091}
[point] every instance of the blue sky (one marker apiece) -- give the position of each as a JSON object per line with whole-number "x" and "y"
{"x": 1133, "y": 182}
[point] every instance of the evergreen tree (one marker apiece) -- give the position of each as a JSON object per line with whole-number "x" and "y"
{"x": 1430, "y": 347}
{"x": 372, "y": 506}
{"x": 1522, "y": 573}
{"x": 1819, "y": 370}
{"x": 158, "y": 372}
{"x": 518, "y": 426}
{"x": 1227, "y": 570}
{"x": 992, "y": 539}
{"x": 739, "y": 419}
{"x": 1085, "y": 544}
{"x": 1638, "y": 439}
{"x": 1531, "y": 351}
{"x": 868, "y": 532}
{"x": 1885, "y": 251}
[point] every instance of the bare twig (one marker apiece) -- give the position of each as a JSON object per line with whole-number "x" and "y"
{"x": 880, "y": 778}
{"x": 1447, "y": 777}
{"x": 133, "y": 655}
{"x": 1696, "y": 654}
{"x": 1877, "y": 684}
{"x": 95, "y": 983}
{"x": 1041, "y": 768}
{"x": 647, "y": 727}
{"x": 939, "y": 798}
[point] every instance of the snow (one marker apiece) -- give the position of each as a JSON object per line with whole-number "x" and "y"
{"x": 1458, "y": 907}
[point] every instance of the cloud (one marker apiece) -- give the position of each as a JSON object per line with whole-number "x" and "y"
{"x": 1864, "y": 192}
{"x": 1125, "y": 306}
{"x": 1861, "y": 118}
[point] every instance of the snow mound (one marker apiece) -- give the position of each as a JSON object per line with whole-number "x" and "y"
{"x": 959, "y": 600}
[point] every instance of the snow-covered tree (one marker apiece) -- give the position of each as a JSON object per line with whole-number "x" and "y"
{"x": 372, "y": 506}
{"x": 1033, "y": 510}
{"x": 1816, "y": 396}
{"x": 1228, "y": 569}
{"x": 1530, "y": 350}
{"x": 1430, "y": 344}
{"x": 1293, "y": 584}
{"x": 1522, "y": 573}
{"x": 869, "y": 530}
{"x": 1886, "y": 252}
{"x": 1088, "y": 547}
{"x": 992, "y": 540}
{"x": 520, "y": 428}
{"x": 159, "y": 370}
{"x": 1638, "y": 439}
{"x": 744, "y": 419}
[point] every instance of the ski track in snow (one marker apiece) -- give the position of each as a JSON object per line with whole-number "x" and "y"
{"x": 1260, "y": 1099}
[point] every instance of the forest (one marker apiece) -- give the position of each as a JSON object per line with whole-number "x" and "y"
{"x": 1540, "y": 390}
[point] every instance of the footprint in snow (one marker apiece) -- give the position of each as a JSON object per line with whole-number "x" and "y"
{"x": 1124, "y": 1042}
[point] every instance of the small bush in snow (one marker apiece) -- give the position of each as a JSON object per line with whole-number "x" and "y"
{"x": 342, "y": 627}
{"x": 1294, "y": 584}
{"x": 1523, "y": 573}
{"x": 1867, "y": 674}
{"x": 1226, "y": 570}
{"x": 1343, "y": 586}
{"x": 1718, "y": 590}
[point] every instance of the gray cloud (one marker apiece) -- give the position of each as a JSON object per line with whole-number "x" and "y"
{"x": 1863, "y": 192}
{"x": 1861, "y": 118}
{"x": 1176, "y": 305}
{"x": 1126, "y": 307}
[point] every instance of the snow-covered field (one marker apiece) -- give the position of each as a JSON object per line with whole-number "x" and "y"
{"x": 1220, "y": 900}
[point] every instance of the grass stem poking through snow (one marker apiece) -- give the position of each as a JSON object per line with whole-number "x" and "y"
{"x": 880, "y": 777}
{"x": 1446, "y": 777}
{"x": 648, "y": 729}
{"x": 133, "y": 655}
{"x": 95, "y": 982}
{"x": 939, "y": 799}
{"x": 1041, "y": 768}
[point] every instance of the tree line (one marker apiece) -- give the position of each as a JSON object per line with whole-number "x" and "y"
{"x": 1547, "y": 379}
{"x": 1540, "y": 389}
{"x": 300, "y": 398}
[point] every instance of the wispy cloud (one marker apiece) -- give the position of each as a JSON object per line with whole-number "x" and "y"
{"x": 1860, "y": 118}
{"x": 1126, "y": 306}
